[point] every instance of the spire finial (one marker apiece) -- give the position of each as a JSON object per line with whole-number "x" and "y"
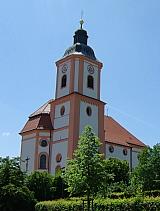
{"x": 81, "y": 20}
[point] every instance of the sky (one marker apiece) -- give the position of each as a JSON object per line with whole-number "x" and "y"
{"x": 125, "y": 36}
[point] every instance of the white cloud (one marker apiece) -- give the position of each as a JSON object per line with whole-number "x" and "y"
{"x": 6, "y": 134}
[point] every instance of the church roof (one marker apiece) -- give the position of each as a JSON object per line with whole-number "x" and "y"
{"x": 40, "y": 119}
{"x": 80, "y": 45}
{"x": 44, "y": 109}
{"x": 116, "y": 134}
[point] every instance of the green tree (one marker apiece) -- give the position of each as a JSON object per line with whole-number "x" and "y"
{"x": 85, "y": 173}
{"x": 14, "y": 198}
{"x": 119, "y": 170}
{"x": 42, "y": 184}
{"x": 147, "y": 173}
{"x": 10, "y": 172}
{"x": 60, "y": 187}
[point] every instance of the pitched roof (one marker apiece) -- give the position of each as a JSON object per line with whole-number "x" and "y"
{"x": 44, "y": 109}
{"x": 40, "y": 119}
{"x": 117, "y": 134}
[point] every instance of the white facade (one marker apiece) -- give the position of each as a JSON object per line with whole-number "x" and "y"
{"x": 59, "y": 120}
{"x": 28, "y": 151}
{"x": 76, "y": 75}
{"x": 86, "y": 90}
{"x": 60, "y": 92}
{"x": 88, "y": 120}
{"x": 131, "y": 157}
{"x": 60, "y": 135}
{"x": 62, "y": 148}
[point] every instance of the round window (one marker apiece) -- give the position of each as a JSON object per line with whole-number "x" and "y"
{"x": 44, "y": 143}
{"x": 58, "y": 157}
{"x": 89, "y": 111}
{"x": 111, "y": 149}
{"x": 125, "y": 151}
{"x": 62, "y": 111}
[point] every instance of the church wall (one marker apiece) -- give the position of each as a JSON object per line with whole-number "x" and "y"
{"x": 76, "y": 75}
{"x": 28, "y": 150}
{"x": 44, "y": 134}
{"x": 62, "y": 148}
{"x": 43, "y": 149}
{"x": 88, "y": 91}
{"x": 59, "y": 135}
{"x": 60, "y": 92}
{"x": 88, "y": 120}
{"x": 135, "y": 153}
{"x": 62, "y": 121}
{"x": 118, "y": 152}
{"x": 29, "y": 136}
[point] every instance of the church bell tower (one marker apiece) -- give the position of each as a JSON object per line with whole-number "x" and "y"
{"x": 77, "y": 97}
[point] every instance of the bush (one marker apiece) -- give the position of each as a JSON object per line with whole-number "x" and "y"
{"x": 14, "y": 198}
{"x": 132, "y": 204}
{"x": 41, "y": 183}
{"x": 152, "y": 193}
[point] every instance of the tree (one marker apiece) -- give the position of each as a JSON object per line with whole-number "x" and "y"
{"x": 10, "y": 172}
{"x": 16, "y": 198}
{"x": 119, "y": 170}
{"x": 41, "y": 183}
{"x": 147, "y": 173}
{"x": 85, "y": 173}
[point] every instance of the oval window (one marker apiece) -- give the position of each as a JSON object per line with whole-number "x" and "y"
{"x": 62, "y": 111}
{"x": 125, "y": 151}
{"x": 111, "y": 149}
{"x": 89, "y": 111}
{"x": 58, "y": 157}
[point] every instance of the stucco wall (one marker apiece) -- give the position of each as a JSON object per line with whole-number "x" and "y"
{"x": 88, "y": 120}
{"x": 118, "y": 152}
{"x": 76, "y": 75}
{"x": 61, "y": 148}
{"x": 60, "y": 92}
{"x": 88, "y": 91}
{"x": 59, "y": 135}
{"x": 28, "y": 150}
{"x": 62, "y": 121}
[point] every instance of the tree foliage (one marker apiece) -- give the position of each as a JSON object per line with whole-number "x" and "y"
{"x": 119, "y": 170}
{"x": 147, "y": 173}
{"x": 10, "y": 172}
{"x": 16, "y": 198}
{"x": 41, "y": 183}
{"x": 85, "y": 173}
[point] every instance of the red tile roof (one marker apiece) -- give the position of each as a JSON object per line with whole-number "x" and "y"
{"x": 40, "y": 119}
{"x": 116, "y": 134}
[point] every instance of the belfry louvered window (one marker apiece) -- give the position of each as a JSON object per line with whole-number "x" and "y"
{"x": 90, "y": 82}
{"x": 63, "y": 81}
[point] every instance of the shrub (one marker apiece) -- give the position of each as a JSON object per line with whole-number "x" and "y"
{"x": 132, "y": 204}
{"x": 16, "y": 198}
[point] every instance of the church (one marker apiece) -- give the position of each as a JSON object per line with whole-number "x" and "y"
{"x": 51, "y": 133}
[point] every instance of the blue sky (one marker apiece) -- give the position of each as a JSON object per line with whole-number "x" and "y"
{"x": 125, "y": 36}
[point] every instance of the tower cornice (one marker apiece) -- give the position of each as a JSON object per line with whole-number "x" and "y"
{"x": 80, "y": 57}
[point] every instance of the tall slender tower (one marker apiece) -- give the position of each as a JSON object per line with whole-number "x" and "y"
{"x": 77, "y": 98}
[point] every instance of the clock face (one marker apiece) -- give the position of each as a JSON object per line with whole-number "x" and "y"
{"x": 64, "y": 68}
{"x": 90, "y": 69}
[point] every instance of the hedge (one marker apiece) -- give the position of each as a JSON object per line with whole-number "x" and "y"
{"x": 132, "y": 204}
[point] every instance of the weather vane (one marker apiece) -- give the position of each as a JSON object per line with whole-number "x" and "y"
{"x": 81, "y": 20}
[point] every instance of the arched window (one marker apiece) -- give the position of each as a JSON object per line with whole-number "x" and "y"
{"x": 90, "y": 82}
{"x": 63, "y": 81}
{"x": 42, "y": 163}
